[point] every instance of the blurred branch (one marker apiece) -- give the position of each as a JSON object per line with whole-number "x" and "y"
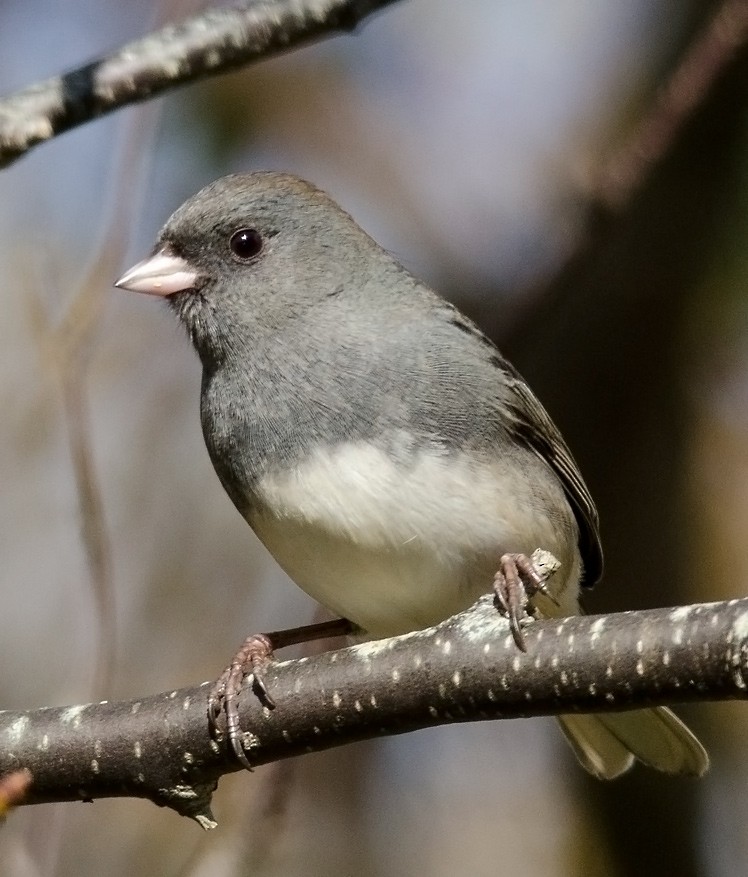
{"x": 608, "y": 193}
{"x": 13, "y": 788}
{"x": 67, "y": 347}
{"x": 213, "y": 42}
{"x": 465, "y": 669}
{"x": 94, "y": 533}
{"x": 675, "y": 103}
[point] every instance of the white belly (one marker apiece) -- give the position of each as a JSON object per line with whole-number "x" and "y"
{"x": 395, "y": 547}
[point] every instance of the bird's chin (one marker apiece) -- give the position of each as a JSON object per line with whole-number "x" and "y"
{"x": 184, "y": 302}
{"x": 196, "y": 314}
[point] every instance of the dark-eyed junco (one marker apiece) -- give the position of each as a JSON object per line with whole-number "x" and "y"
{"x": 376, "y": 441}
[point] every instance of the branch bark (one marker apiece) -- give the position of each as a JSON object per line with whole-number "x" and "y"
{"x": 465, "y": 669}
{"x": 212, "y": 42}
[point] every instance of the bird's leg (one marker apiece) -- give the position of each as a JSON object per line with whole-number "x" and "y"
{"x": 252, "y": 659}
{"x": 517, "y": 581}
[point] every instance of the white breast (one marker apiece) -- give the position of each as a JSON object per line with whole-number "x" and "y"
{"x": 395, "y": 546}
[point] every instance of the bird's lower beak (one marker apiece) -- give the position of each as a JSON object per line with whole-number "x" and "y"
{"x": 161, "y": 274}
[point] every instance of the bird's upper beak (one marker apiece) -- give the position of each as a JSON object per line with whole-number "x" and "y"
{"x": 163, "y": 273}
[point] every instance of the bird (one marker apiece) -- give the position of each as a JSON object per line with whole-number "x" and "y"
{"x": 392, "y": 461}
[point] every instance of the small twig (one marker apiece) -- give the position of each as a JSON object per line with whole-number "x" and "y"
{"x": 213, "y": 42}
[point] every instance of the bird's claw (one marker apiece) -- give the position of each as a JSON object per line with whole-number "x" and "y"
{"x": 516, "y": 582}
{"x": 252, "y": 659}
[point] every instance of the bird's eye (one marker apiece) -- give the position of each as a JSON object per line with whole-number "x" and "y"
{"x": 246, "y": 243}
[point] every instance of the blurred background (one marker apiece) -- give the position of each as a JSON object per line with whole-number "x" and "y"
{"x": 487, "y": 144}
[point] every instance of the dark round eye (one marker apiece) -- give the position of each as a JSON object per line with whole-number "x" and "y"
{"x": 245, "y": 243}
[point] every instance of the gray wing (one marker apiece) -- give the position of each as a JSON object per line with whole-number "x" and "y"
{"x": 532, "y": 425}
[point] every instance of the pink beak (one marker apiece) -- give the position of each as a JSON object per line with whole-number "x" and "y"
{"x": 160, "y": 274}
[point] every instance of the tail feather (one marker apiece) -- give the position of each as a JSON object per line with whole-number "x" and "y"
{"x": 606, "y": 744}
{"x": 597, "y": 750}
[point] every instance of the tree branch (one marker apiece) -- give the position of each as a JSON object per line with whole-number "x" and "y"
{"x": 465, "y": 669}
{"x": 212, "y": 42}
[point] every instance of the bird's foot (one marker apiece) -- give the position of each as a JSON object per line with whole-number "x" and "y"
{"x": 252, "y": 660}
{"x": 518, "y": 579}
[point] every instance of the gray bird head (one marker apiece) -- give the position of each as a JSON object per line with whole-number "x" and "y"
{"x": 250, "y": 252}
